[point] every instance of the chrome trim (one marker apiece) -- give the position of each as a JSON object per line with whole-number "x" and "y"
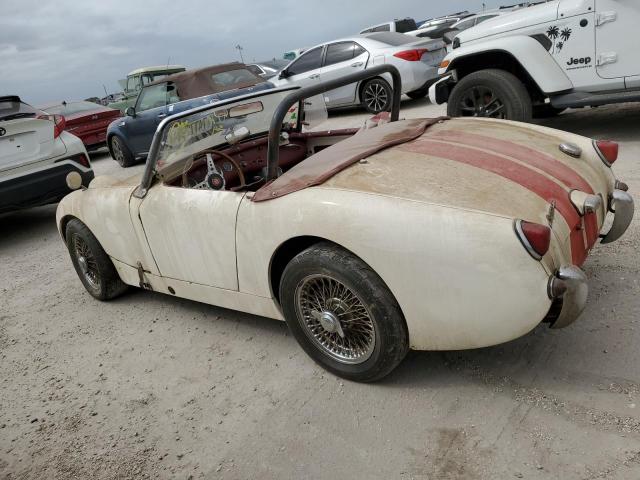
{"x": 575, "y": 297}
{"x": 622, "y": 206}
{"x": 571, "y": 149}
{"x": 592, "y": 203}
{"x": 517, "y": 225}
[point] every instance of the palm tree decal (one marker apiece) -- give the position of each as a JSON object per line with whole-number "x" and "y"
{"x": 553, "y": 32}
{"x": 566, "y": 34}
{"x": 559, "y": 46}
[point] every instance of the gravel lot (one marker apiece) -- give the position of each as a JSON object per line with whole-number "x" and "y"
{"x": 150, "y": 386}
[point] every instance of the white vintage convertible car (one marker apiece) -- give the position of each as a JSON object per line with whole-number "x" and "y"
{"x": 431, "y": 234}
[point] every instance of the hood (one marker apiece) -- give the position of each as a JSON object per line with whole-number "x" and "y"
{"x": 107, "y": 181}
{"x": 516, "y": 20}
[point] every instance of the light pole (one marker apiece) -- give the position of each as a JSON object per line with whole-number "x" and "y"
{"x": 239, "y": 48}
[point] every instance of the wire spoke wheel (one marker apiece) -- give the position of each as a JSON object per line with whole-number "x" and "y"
{"x": 335, "y": 319}
{"x": 87, "y": 262}
{"x": 481, "y": 101}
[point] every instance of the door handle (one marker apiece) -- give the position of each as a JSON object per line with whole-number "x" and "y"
{"x": 313, "y": 77}
{"x": 162, "y": 115}
{"x": 357, "y": 64}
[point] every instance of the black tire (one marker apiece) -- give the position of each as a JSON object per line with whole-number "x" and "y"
{"x": 546, "y": 111}
{"x": 120, "y": 152}
{"x": 490, "y": 93}
{"x": 96, "y": 271}
{"x": 371, "y": 318}
{"x": 416, "y": 94}
{"x": 376, "y": 95}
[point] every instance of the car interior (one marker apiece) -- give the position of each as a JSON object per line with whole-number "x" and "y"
{"x": 242, "y": 166}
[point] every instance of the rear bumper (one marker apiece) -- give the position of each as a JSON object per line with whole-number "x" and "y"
{"x": 573, "y": 282}
{"x": 622, "y": 206}
{"x": 39, "y": 188}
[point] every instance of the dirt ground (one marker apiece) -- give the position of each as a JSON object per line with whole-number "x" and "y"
{"x": 150, "y": 386}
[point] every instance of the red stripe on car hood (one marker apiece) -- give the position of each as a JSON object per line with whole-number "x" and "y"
{"x": 521, "y": 174}
{"x": 535, "y": 158}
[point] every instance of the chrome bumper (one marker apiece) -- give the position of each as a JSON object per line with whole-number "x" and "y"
{"x": 572, "y": 282}
{"x": 622, "y": 206}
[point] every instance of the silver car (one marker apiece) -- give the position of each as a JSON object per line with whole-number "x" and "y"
{"x": 417, "y": 61}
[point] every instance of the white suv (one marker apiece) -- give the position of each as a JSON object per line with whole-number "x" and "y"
{"x": 540, "y": 60}
{"x": 36, "y": 155}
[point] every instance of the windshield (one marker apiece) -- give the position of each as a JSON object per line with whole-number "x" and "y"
{"x": 11, "y": 108}
{"x": 187, "y": 135}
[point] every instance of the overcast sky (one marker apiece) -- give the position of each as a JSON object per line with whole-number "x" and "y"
{"x": 67, "y": 49}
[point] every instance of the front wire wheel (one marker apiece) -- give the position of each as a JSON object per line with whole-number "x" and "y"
{"x": 87, "y": 262}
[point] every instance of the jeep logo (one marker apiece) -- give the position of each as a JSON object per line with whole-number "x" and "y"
{"x": 579, "y": 61}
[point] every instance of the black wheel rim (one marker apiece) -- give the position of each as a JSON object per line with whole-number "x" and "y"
{"x": 86, "y": 262}
{"x": 480, "y": 101}
{"x": 376, "y": 96}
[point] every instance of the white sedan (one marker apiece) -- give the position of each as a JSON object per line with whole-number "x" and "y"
{"x": 416, "y": 59}
{"x": 36, "y": 155}
{"x": 431, "y": 234}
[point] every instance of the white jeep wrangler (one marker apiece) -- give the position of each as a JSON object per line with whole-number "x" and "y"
{"x": 537, "y": 61}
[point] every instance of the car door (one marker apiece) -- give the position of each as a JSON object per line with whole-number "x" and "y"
{"x": 616, "y": 46}
{"x": 304, "y": 71}
{"x": 342, "y": 58}
{"x": 192, "y": 234}
{"x": 150, "y": 110}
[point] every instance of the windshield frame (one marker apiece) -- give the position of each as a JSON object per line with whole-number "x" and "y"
{"x": 150, "y": 170}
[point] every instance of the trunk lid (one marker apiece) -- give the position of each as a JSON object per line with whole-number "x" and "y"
{"x": 83, "y": 123}
{"x": 25, "y": 140}
{"x": 501, "y": 168}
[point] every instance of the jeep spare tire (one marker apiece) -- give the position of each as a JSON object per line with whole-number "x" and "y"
{"x": 492, "y": 94}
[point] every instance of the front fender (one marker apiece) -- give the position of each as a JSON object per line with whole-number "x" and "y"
{"x": 526, "y": 51}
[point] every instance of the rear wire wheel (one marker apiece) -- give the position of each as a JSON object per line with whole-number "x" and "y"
{"x": 342, "y": 314}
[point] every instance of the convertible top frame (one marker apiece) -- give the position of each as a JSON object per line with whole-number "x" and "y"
{"x": 307, "y": 92}
{"x": 275, "y": 127}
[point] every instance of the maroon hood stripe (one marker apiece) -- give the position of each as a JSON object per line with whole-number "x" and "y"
{"x": 514, "y": 171}
{"x": 535, "y": 158}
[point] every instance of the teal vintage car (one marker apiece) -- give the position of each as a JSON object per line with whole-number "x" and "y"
{"x": 138, "y": 78}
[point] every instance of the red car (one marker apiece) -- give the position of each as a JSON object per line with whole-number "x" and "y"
{"x": 86, "y": 120}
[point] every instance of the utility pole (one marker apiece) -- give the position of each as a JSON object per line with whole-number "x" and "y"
{"x": 239, "y": 48}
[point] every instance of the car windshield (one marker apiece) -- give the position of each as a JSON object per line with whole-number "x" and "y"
{"x": 184, "y": 136}
{"x": 71, "y": 108}
{"x": 11, "y": 108}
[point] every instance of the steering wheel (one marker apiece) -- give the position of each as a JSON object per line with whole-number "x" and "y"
{"x": 214, "y": 179}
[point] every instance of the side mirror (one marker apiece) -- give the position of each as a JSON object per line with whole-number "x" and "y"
{"x": 74, "y": 180}
{"x": 283, "y": 74}
{"x": 130, "y": 112}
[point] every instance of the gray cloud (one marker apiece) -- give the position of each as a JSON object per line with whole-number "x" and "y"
{"x": 68, "y": 49}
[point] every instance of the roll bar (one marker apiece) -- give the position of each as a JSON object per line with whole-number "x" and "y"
{"x": 307, "y": 92}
